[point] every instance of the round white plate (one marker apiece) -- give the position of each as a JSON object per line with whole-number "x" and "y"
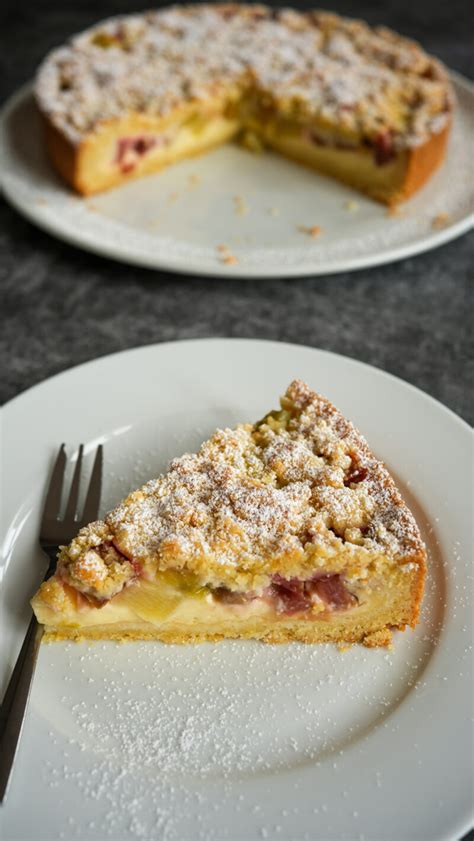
{"x": 238, "y": 740}
{"x": 255, "y": 205}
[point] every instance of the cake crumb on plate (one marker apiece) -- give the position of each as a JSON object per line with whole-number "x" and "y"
{"x": 395, "y": 212}
{"x": 240, "y": 205}
{"x": 440, "y": 220}
{"x": 229, "y": 259}
{"x": 312, "y": 230}
{"x": 226, "y": 256}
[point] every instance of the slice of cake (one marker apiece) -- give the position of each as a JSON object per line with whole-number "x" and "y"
{"x": 135, "y": 93}
{"x": 288, "y": 529}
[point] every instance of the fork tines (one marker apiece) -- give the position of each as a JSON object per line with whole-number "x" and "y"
{"x": 56, "y": 529}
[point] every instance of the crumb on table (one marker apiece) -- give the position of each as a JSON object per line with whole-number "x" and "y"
{"x": 240, "y": 206}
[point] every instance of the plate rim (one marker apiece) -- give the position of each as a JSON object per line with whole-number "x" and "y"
{"x": 464, "y": 822}
{"x": 179, "y": 265}
{"x": 12, "y": 402}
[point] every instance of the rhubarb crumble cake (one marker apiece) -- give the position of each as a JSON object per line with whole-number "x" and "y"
{"x": 135, "y": 93}
{"x": 287, "y": 529}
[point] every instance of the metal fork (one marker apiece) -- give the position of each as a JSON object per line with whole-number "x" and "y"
{"x": 53, "y": 533}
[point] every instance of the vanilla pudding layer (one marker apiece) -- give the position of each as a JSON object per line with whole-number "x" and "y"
{"x": 356, "y": 166}
{"x": 140, "y": 145}
{"x": 162, "y": 611}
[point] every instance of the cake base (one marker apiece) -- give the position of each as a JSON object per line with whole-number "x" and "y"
{"x": 303, "y": 632}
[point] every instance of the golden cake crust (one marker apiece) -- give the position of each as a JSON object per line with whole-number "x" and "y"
{"x": 313, "y": 68}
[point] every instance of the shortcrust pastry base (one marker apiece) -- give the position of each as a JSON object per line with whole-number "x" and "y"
{"x": 284, "y": 632}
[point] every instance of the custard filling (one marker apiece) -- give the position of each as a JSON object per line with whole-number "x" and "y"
{"x": 174, "y": 593}
{"x": 257, "y": 126}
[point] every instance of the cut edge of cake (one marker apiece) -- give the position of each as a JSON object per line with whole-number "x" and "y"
{"x": 82, "y": 167}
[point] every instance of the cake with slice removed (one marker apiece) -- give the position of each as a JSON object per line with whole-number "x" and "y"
{"x": 287, "y": 529}
{"x": 136, "y": 93}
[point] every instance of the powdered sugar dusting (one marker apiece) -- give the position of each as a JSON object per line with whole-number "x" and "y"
{"x": 154, "y": 749}
{"x": 168, "y": 742}
{"x": 339, "y": 70}
{"x": 297, "y": 491}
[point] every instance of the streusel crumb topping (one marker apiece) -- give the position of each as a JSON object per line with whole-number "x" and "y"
{"x": 297, "y": 492}
{"x": 312, "y": 65}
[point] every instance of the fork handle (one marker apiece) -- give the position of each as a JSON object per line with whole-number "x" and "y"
{"x": 15, "y": 702}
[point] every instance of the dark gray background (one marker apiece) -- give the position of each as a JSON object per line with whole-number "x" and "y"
{"x": 61, "y": 306}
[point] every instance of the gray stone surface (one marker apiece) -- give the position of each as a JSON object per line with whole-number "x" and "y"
{"x": 62, "y": 306}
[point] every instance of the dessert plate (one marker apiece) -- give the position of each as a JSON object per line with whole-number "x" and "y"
{"x": 234, "y": 213}
{"x": 239, "y": 740}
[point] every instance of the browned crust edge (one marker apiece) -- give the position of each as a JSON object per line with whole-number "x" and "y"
{"x": 67, "y": 159}
{"x": 418, "y": 586}
{"x": 63, "y": 154}
{"x": 423, "y": 161}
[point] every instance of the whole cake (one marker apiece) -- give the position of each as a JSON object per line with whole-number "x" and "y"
{"x": 286, "y": 529}
{"x": 136, "y": 93}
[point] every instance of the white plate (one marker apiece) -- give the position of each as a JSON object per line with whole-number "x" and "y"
{"x": 169, "y": 221}
{"x": 240, "y": 740}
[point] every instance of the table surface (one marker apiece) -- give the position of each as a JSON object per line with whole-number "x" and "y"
{"x": 62, "y": 306}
